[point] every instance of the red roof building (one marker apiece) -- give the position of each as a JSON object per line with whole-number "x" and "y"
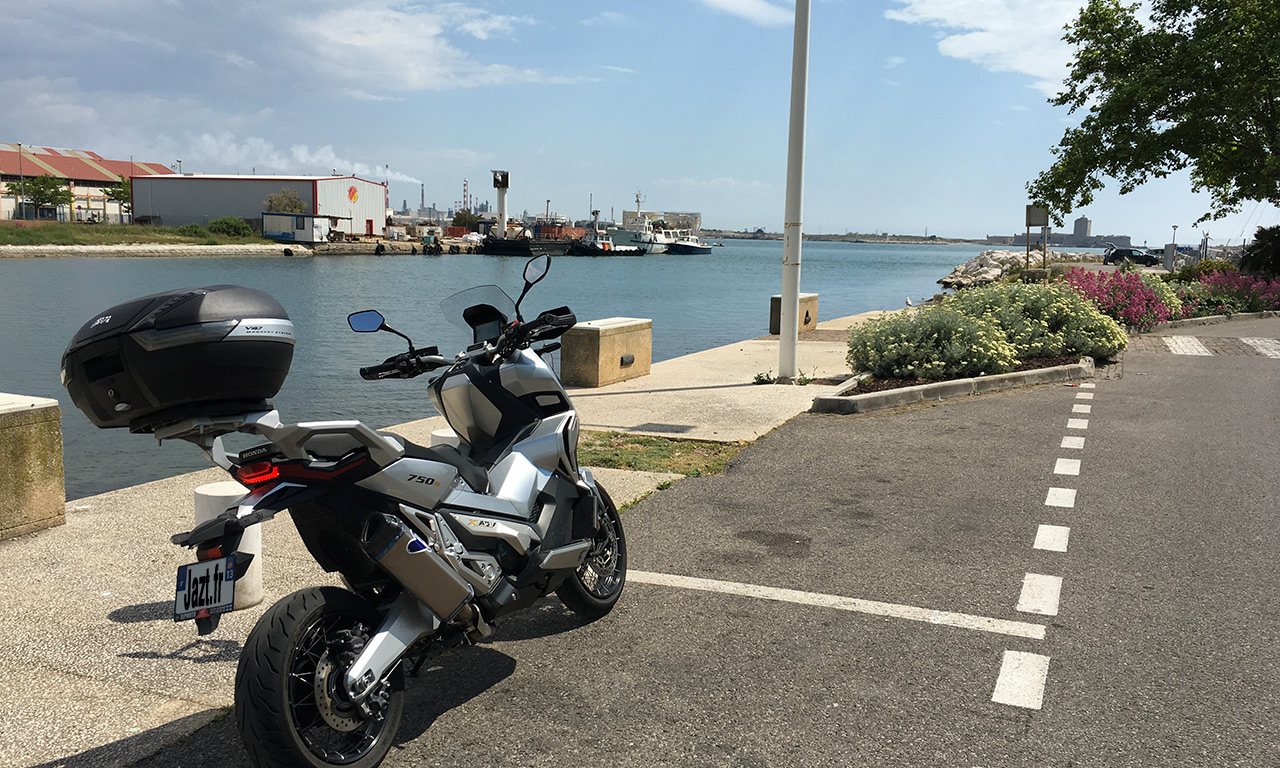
{"x": 87, "y": 173}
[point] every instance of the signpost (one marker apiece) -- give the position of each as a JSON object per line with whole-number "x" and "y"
{"x": 1036, "y": 217}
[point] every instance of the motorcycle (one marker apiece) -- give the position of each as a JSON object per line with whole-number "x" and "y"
{"x": 433, "y": 544}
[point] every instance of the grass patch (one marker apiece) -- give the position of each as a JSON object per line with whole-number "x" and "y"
{"x": 642, "y": 453}
{"x": 59, "y": 233}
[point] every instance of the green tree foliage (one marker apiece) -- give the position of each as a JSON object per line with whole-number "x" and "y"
{"x": 1262, "y": 256}
{"x": 1198, "y": 88}
{"x": 465, "y": 218}
{"x": 45, "y": 191}
{"x": 230, "y": 226}
{"x": 121, "y": 192}
{"x": 285, "y": 201}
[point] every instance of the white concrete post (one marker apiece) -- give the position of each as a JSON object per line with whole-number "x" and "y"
{"x": 212, "y": 500}
{"x": 792, "y": 234}
{"x": 502, "y": 212}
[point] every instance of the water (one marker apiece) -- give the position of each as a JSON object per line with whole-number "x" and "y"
{"x": 695, "y": 302}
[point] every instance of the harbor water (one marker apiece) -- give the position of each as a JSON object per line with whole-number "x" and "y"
{"x": 695, "y": 302}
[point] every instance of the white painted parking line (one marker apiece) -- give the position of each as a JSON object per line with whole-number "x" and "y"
{"x": 856, "y": 605}
{"x": 1077, "y": 423}
{"x": 1268, "y": 347}
{"x": 1060, "y": 497}
{"x": 1021, "y": 680}
{"x": 1072, "y": 442}
{"x": 1052, "y": 538}
{"x": 1040, "y": 594}
{"x": 1186, "y": 345}
{"x": 1081, "y": 408}
{"x": 1084, "y": 395}
{"x": 1088, "y": 385}
{"x": 1067, "y": 467}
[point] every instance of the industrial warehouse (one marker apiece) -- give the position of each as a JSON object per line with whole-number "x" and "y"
{"x": 347, "y": 204}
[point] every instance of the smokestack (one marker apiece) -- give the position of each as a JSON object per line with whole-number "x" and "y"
{"x": 423, "y": 205}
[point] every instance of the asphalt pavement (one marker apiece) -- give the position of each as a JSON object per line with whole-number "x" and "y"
{"x": 1056, "y": 576}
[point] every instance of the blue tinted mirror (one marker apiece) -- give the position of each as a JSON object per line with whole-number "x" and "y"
{"x": 367, "y": 321}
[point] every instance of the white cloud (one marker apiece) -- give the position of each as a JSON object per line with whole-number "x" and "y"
{"x": 1023, "y": 36}
{"x": 894, "y": 61}
{"x": 762, "y": 12}
{"x": 623, "y": 70}
{"x": 606, "y": 18}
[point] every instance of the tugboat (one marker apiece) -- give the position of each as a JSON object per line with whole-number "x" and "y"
{"x": 598, "y": 243}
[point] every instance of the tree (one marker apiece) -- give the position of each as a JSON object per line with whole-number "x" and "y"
{"x": 121, "y": 192}
{"x": 285, "y": 201}
{"x": 46, "y": 191}
{"x": 465, "y": 218}
{"x": 1262, "y": 256}
{"x": 1198, "y": 88}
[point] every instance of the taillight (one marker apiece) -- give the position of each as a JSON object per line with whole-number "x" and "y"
{"x": 211, "y": 553}
{"x": 257, "y": 474}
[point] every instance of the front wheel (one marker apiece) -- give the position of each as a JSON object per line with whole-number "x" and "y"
{"x": 593, "y": 589}
{"x": 291, "y": 706}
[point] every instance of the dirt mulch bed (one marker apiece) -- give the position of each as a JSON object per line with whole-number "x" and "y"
{"x": 881, "y": 385}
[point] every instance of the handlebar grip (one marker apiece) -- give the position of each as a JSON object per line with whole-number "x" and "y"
{"x": 374, "y": 372}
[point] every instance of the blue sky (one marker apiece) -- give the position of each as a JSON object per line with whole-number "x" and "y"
{"x": 922, "y": 113}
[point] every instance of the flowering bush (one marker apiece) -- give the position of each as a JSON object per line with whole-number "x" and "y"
{"x": 1122, "y": 296}
{"x": 1242, "y": 292}
{"x": 933, "y": 343}
{"x": 1194, "y": 272}
{"x": 1042, "y": 320}
{"x": 1165, "y": 293}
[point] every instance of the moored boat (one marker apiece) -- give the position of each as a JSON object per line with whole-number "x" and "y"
{"x": 688, "y": 244}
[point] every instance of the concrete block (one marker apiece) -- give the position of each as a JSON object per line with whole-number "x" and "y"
{"x": 32, "y": 493}
{"x": 602, "y": 352}
{"x": 808, "y": 320}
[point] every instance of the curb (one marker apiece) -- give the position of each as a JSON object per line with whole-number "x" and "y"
{"x": 874, "y": 401}
{"x": 1207, "y": 320}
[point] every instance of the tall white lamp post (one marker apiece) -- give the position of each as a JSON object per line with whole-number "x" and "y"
{"x": 792, "y": 233}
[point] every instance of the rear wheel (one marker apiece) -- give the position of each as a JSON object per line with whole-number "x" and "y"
{"x": 291, "y": 705}
{"x": 593, "y": 589}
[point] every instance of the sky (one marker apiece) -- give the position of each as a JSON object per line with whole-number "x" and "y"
{"x": 924, "y": 116}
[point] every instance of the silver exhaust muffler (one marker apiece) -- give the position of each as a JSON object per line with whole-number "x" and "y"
{"x": 415, "y": 565}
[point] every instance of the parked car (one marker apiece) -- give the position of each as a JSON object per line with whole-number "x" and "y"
{"x": 1136, "y": 255}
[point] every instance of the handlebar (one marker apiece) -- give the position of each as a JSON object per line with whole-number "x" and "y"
{"x": 405, "y": 365}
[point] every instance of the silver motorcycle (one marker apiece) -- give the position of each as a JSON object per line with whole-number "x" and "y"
{"x": 434, "y": 544}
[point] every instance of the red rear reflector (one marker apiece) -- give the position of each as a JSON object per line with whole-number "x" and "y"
{"x": 256, "y": 474}
{"x": 208, "y": 554}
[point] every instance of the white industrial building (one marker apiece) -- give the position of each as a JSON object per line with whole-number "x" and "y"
{"x": 351, "y": 204}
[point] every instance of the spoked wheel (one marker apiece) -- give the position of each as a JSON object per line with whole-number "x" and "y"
{"x": 291, "y": 706}
{"x": 594, "y": 588}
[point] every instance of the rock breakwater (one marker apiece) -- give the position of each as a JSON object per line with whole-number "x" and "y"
{"x": 990, "y": 266}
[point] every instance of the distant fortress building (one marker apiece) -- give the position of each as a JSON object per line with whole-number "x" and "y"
{"x": 1081, "y": 236}
{"x": 674, "y": 219}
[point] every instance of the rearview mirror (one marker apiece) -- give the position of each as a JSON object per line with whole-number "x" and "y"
{"x": 537, "y": 268}
{"x": 367, "y": 321}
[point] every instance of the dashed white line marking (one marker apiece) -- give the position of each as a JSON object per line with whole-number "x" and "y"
{"x": 856, "y": 605}
{"x": 1040, "y": 594}
{"x": 1067, "y": 467}
{"x": 1081, "y": 408}
{"x": 1088, "y": 385}
{"x": 1061, "y": 497}
{"x": 1186, "y": 345}
{"x": 1084, "y": 395}
{"x": 1077, "y": 423}
{"x": 1072, "y": 442}
{"x": 1021, "y": 680}
{"x": 1052, "y": 538}
{"x": 1268, "y": 347}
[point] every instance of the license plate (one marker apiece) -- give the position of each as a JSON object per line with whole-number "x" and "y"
{"x": 205, "y": 589}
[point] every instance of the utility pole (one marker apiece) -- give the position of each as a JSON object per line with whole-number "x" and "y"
{"x": 792, "y": 232}
{"x": 22, "y": 184}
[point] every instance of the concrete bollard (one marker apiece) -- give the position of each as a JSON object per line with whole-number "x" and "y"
{"x": 602, "y": 352}
{"x": 807, "y": 320}
{"x": 212, "y": 500}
